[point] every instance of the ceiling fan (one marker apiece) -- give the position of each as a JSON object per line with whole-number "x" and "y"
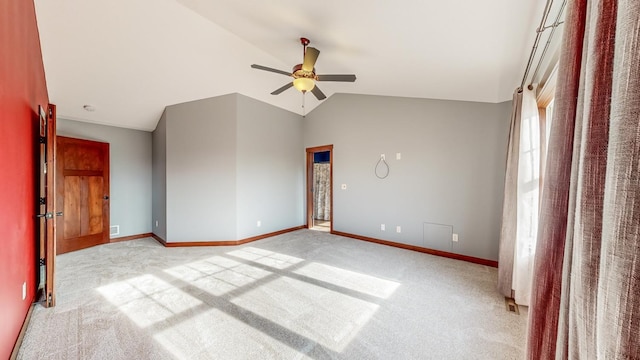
{"x": 304, "y": 75}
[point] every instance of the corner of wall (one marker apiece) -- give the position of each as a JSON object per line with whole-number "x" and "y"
{"x": 159, "y": 179}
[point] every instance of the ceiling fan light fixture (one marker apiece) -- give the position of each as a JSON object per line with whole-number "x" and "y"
{"x": 304, "y": 75}
{"x": 304, "y": 84}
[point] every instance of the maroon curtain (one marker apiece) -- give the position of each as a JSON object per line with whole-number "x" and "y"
{"x": 586, "y": 293}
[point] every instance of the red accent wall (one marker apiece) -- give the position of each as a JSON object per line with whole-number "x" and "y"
{"x": 22, "y": 89}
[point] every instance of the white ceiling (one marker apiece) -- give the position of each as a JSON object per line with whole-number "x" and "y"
{"x": 131, "y": 58}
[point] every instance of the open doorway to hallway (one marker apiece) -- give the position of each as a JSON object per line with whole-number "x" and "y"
{"x": 320, "y": 188}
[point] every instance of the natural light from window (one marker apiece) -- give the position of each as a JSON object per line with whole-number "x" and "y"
{"x": 232, "y": 304}
{"x": 217, "y": 275}
{"x": 217, "y": 332}
{"x": 365, "y": 284}
{"x": 266, "y": 257}
{"x": 329, "y": 317}
{"x": 147, "y": 300}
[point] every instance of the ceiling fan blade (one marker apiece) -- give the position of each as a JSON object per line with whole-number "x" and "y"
{"x": 346, "y": 78}
{"x": 278, "y": 91}
{"x": 260, "y": 67}
{"x": 319, "y": 94}
{"x": 310, "y": 57}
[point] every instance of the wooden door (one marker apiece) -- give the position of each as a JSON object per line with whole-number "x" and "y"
{"x": 47, "y": 206}
{"x": 82, "y": 193}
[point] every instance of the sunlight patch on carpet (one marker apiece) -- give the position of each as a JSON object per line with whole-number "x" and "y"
{"x": 217, "y": 275}
{"x": 366, "y": 284}
{"x": 224, "y": 335}
{"x": 331, "y": 318}
{"x": 266, "y": 257}
{"x": 147, "y": 300}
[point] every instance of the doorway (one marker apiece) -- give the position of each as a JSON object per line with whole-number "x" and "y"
{"x": 320, "y": 188}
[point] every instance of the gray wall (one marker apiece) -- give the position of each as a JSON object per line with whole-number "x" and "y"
{"x": 159, "y": 185}
{"x": 130, "y": 172}
{"x": 201, "y": 170}
{"x": 451, "y": 171}
{"x": 232, "y": 161}
{"x": 270, "y": 168}
{"x": 227, "y": 163}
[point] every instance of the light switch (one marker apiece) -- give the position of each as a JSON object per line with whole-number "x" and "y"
{"x": 344, "y": 186}
{"x": 398, "y": 156}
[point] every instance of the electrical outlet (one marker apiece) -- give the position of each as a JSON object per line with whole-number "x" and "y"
{"x": 454, "y": 238}
{"x": 398, "y": 229}
{"x": 382, "y": 227}
{"x": 24, "y": 290}
{"x": 343, "y": 186}
{"x": 259, "y": 223}
{"x": 156, "y": 223}
{"x": 382, "y": 157}
{"x": 398, "y": 156}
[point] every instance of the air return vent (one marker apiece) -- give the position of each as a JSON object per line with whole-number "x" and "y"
{"x": 437, "y": 236}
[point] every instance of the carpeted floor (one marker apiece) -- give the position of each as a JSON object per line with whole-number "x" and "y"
{"x": 301, "y": 295}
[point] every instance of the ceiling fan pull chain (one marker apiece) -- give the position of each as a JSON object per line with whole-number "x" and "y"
{"x": 304, "y": 111}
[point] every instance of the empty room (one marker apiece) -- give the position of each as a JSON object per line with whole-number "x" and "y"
{"x": 191, "y": 179}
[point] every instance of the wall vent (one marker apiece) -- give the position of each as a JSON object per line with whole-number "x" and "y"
{"x": 114, "y": 230}
{"x": 511, "y": 305}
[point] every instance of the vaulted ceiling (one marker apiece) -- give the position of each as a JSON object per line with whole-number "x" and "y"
{"x": 130, "y": 59}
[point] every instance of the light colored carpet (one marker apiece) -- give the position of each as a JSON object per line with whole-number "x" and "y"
{"x": 301, "y": 295}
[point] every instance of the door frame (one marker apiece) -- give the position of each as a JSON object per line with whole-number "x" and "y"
{"x": 47, "y": 206}
{"x": 310, "y": 151}
{"x": 50, "y": 260}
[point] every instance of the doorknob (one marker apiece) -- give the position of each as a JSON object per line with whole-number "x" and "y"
{"x": 106, "y": 197}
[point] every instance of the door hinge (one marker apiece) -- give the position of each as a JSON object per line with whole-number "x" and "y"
{"x": 49, "y": 300}
{"x": 42, "y": 139}
{"x": 42, "y": 262}
{"x": 42, "y": 201}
